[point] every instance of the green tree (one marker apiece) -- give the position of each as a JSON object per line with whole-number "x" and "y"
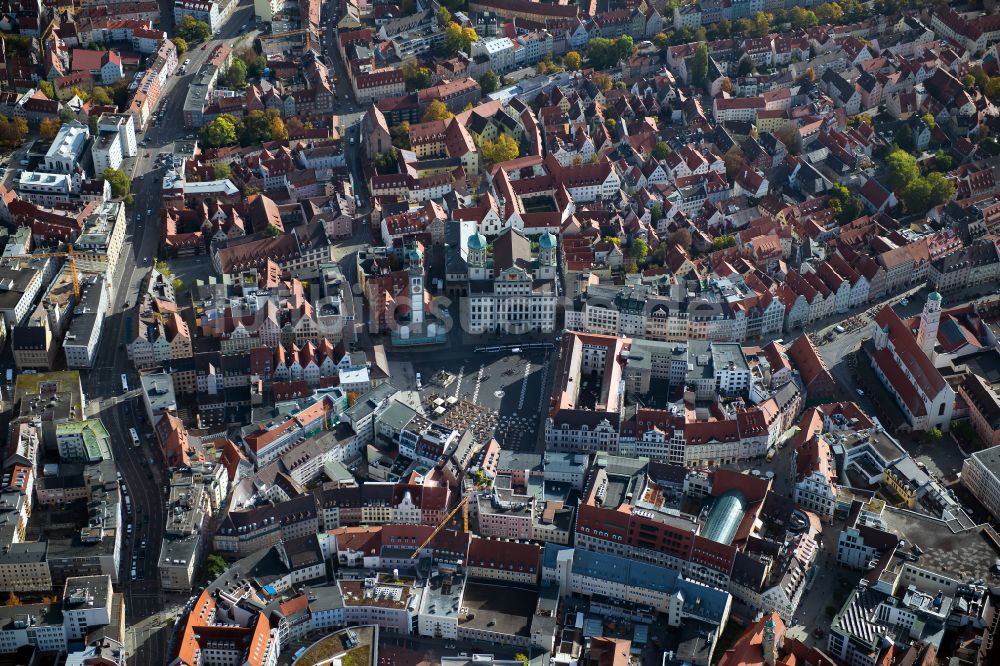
{"x": 829, "y": 12}
{"x": 47, "y": 88}
{"x": 259, "y": 127}
{"x": 256, "y": 63}
{"x": 436, "y": 110}
{"x": 401, "y": 135}
{"x": 120, "y": 93}
{"x": 101, "y": 95}
{"x": 746, "y": 67}
{"x": 192, "y": 30}
{"x": 443, "y": 16}
{"x": 572, "y": 61}
{"x": 916, "y": 196}
{"x": 969, "y": 81}
{"x": 521, "y": 657}
{"x": 602, "y": 53}
{"x": 699, "y": 66}
{"x": 661, "y": 150}
{"x": 220, "y": 132}
{"x": 904, "y": 137}
{"x": 639, "y": 249}
{"x": 504, "y": 148}
{"x": 416, "y": 77}
{"x": 942, "y": 189}
{"x": 181, "y": 44}
{"x": 272, "y": 231}
{"x": 222, "y": 171}
{"x": 761, "y": 25}
{"x": 457, "y": 38}
{"x": 943, "y": 161}
{"x": 215, "y": 566}
{"x": 624, "y": 47}
{"x": 854, "y": 11}
{"x": 992, "y": 89}
{"x": 723, "y": 241}
{"x": 845, "y": 206}
{"x": 802, "y": 18}
{"x": 901, "y": 169}
{"x": 387, "y": 162}
{"x": 489, "y": 82}
{"x": 236, "y": 75}
{"x": 656, "y": 212}
{"x": 933, "y": 435}
{"x": 661, "y": 41}
{"x": 119, "y": 182}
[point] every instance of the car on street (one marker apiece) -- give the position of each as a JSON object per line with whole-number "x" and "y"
{"x": 145, "y": 260}
{"x": 187, "y": 61}
{"x": 860, "y": 392}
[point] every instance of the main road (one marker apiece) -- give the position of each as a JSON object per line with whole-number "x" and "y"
{"x": 144, "y": 474}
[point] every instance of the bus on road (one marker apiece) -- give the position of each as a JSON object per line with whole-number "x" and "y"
{"x": 124, "y": 382}
{"x": 135, "y": 437}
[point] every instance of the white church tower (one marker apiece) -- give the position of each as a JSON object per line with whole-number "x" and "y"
{"x": 929, "y": 320}
{"x": 416, "y": 274}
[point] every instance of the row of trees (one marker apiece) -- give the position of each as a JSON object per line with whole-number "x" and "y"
{"x": 257, "y": 127}
{"x": 764, "y": 22}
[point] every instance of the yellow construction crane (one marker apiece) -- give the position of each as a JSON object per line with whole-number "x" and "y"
{"x": 71, "y": 258}
{"x": 464, "y": 505}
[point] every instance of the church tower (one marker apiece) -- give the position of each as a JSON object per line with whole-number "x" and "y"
{"x": 769, "y": 642}
{"x": 929, "y": 320}
{"x": 548, "y": 248}
{"x": 416, "y": 275}
{"x": 477, "y": 257}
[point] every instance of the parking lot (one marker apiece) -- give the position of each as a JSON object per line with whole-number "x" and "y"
{"x": 512, "y": 386}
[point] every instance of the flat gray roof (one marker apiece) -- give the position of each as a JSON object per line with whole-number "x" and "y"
{"x": 949, "y": 549}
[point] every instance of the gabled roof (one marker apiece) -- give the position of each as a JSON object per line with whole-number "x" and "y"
{"x": 920, "y": 368}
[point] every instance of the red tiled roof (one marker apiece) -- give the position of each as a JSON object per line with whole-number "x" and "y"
{"x": 926, "y": 376}
{"x": 809, "y": 363}
{"x": 504, "y": 555}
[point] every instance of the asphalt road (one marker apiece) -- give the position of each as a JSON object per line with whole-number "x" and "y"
{"x": 145, "y": 482}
